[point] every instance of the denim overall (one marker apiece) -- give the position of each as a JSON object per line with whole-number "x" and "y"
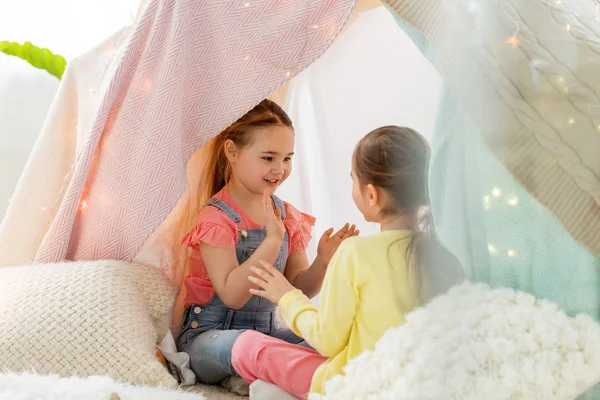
{"x": 209, "y": 330}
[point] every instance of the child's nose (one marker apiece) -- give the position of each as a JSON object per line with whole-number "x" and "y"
{"x": 277, "y": 168}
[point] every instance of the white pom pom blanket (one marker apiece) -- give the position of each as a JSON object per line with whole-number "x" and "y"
{"x": 477, "y": 343}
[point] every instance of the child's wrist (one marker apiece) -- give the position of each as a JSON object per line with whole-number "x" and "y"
{"x": 319, "y": 262}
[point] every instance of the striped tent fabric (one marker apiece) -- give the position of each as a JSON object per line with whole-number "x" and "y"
{"x": 182, "y": 72}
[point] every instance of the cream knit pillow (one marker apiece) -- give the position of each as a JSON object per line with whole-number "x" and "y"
{"x": 85, "y": 318}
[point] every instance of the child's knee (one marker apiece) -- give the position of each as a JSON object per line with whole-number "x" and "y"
{"x": 245, "y": 354}
{"x": 247, "y": 348}
{"x": 247, "y": 343}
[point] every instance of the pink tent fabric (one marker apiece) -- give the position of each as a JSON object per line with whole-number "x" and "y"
{"x": 180, "y": 74}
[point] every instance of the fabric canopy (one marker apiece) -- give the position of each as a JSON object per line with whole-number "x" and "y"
{"x": 110, "y": 162}
{"x": 524, "y": 73}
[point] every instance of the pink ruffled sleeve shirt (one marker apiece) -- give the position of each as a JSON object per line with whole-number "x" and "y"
{"x": 215, "y": 228}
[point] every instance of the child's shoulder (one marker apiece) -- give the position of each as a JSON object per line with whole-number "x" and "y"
{"x": 298, "y": 216}
{"x": 212, "y": 226}
{"x": 369, "y": 243}
{"x": 354, "y": 243}
{"x": 212, "y": 214}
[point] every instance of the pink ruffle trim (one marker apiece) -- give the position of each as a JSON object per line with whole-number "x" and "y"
{"x": 210, "y": 233}
{"x": 302, "y": 233}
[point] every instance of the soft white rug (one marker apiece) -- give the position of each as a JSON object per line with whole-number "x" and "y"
{"x": 475, "y": 343}
{"x": 44, "y": 387}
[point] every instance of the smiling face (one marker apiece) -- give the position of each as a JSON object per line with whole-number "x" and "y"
{"x": 266, "y": 161}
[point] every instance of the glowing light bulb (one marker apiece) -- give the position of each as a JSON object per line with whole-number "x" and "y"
{"x": 514, "y": 40}
{"x": 315, "y": 26}
{"x": 568, "y": 27}
{"x": 496, "y": 192}
{"x": 571, "y": 121}
{"x": 44, "y": 208}
{"x": 247, "y": 5}
{"x": 561, "y": 79}
{"x": 511, "y": 253}
{"x": 558, "y": 2}
{"x": 491, "y": 248}
{"x": 513, "y": 201}
{"x": 288, "y": 74}
{"x": 486, "y": 202}
{"x": 246, "y": 58}
{"x": 84, "y": 204}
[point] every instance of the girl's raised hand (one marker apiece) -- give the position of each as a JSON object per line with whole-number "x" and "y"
{"x": 273, "y": 223}
{"x": 272, "y": 282}
{"x": 328, "y": 244}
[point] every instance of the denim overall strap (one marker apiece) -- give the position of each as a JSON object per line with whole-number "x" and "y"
{"x": 257, "y": 313}
{"x": 231, "y": 213}
{"x": 221, "y": 205}
{"x": 279, "y": 204}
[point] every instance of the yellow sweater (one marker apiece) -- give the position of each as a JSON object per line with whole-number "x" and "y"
{"x": 366, "y": 291}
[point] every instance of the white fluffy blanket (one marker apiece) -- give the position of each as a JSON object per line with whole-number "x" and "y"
{"x": 43, "y": 387}
{"x": 476, "y": 343}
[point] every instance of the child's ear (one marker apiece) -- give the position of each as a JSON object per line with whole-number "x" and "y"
{"x": 373, "y": 195}
{"x": 231, "y": 150}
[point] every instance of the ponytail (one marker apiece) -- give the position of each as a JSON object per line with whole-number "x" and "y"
{"x": 436, "y": 268}
{"x": 216, "y": 171}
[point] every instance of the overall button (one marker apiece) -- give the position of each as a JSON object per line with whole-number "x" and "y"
{"x": 195, "y": 324}
{"x": 197, "y": 310}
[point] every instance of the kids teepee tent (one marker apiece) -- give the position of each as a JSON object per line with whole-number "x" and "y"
{"x": 515, "y": 179}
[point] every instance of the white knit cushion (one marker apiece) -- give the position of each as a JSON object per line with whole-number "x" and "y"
{"x": 477, "y": 343}
{"x": 85, "y": 318}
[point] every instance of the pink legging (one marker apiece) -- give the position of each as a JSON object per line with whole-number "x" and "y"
{"x": 289, "y": 366}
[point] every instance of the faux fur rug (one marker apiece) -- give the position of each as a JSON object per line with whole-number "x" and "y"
{"x": 44, "y": 387}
